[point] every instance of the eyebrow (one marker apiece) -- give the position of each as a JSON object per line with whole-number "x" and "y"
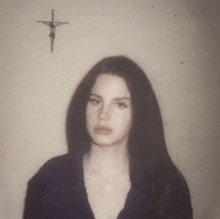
{"x": 117, "y": 98}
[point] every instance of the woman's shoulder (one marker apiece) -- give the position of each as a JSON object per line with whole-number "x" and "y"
{"x": 55, "y": 190}
{"x": 58, "y": 163}
{"x": 57, "y": 170}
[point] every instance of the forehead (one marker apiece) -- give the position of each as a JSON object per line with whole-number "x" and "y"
{"x": 110, "y": 84}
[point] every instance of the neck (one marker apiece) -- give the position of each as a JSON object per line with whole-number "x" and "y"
{"x": 107, "y": 160}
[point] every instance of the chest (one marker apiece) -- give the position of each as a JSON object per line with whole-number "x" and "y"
{"x": 107, "y": 197}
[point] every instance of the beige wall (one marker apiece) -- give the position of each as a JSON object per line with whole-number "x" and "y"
{"x": 175, "y": 41}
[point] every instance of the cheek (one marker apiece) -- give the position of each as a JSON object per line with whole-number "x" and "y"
{"x": 90, "y": 116}
{"x": 124, "y": 121}
{"x": 128, "y": 122}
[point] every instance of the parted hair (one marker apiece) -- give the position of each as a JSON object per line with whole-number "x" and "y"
{"x": 147, "y": 149}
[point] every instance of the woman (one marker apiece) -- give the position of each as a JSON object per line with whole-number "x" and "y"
{"x": 118, "y": 165}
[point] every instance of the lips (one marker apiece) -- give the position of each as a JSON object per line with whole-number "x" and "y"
{"x": 103, "y": 130}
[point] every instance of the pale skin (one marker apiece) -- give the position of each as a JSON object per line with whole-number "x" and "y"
{"x": 106, "y": 165}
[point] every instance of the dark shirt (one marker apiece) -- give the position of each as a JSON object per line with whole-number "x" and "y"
{"x": 58, "y": 191}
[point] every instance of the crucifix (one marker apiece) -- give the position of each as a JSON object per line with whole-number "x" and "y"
{"x": 52, "y": 26}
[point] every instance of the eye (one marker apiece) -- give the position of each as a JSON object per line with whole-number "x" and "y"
{"x": 121, "y": 105}
{"x": 94, "y": 101}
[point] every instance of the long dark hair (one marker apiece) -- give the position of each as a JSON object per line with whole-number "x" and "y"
{"x": 147, "y": 149}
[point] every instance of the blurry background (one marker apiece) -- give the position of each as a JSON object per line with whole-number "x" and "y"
{"x": 177, "y": 43}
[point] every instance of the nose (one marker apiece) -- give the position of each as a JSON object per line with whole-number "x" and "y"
{"x": 104, "y": 113}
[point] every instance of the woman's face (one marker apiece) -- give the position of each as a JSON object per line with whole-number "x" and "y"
{"x": 109, "y": 111}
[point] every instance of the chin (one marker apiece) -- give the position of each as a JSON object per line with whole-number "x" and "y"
{"x": 107, "y": 142}
{"x": 102, "y": 142}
